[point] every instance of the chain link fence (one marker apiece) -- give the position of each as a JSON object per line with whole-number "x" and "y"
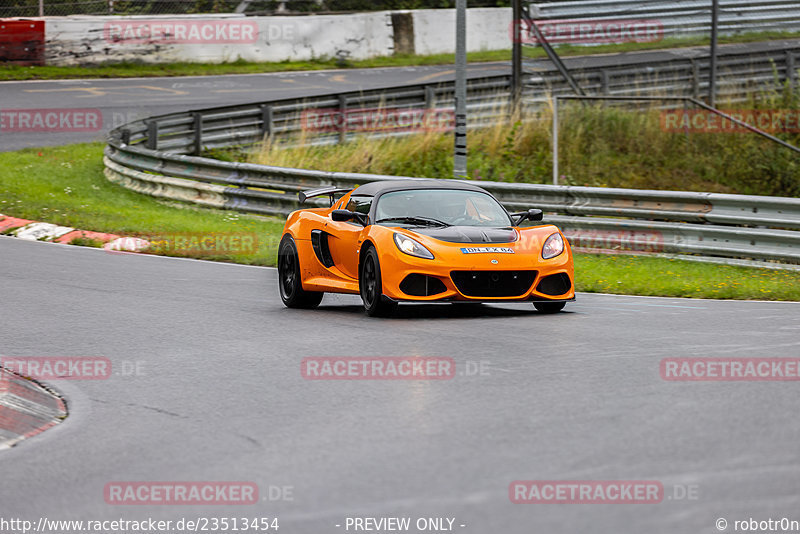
{"x": 56, "y": 8}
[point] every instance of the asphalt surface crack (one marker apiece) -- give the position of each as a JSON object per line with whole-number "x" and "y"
{"x": 151, "y": 408}
{"x": 251, "y": 440}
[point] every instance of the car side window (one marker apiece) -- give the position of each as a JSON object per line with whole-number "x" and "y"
{"x": 360, "y": 204}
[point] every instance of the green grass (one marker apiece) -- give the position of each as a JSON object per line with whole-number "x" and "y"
{"x": 139, "y": 69}
{"x": 66, "y": 186}
{"x": 86, "y": 242}
{"x": 642, "y": 275}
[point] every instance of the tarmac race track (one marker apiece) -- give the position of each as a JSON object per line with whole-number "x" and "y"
{"x": 207, "y": 386}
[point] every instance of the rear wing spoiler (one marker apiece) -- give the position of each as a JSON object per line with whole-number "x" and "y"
{"x": 329, "y": 191}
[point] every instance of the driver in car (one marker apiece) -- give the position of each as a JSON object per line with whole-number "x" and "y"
{"x": 458, "y": 210}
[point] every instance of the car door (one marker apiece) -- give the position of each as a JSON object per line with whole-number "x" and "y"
{"x": 345, "y": 238}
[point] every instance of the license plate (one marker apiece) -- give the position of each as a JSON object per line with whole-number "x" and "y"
{"x": 487, "y": 250}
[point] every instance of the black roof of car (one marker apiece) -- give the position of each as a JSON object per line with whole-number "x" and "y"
{"x": 377, "y": 188}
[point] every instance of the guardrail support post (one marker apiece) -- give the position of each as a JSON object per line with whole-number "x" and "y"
{"x": 430, "y": 97}
{"x": 695, "y": 80}
{"x": 555, "y": 140}
{"x": 198, "y": 133}
{"x": 790, "y": 73}
{"x": 125, "y": 136}
{"x": 604, "y": 82}
{"x": 342, "y": 118}
{"x": 152, "y": 135}
{"x": 266, "y": 120}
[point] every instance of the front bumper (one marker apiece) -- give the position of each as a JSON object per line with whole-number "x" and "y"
{"x": 395, "y": 269}
{"x": 475, "y": 300}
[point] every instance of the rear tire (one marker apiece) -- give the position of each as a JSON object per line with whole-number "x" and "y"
{"x": 549, "y": 307}
{"x": 289, "y": 278}
{"x": 370, "y": 286}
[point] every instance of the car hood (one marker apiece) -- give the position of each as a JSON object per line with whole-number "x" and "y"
{"x": 469, "y": 234}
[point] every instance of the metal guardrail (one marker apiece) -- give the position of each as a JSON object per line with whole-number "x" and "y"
{"x": 679, "y": 18}
{"x": 743, "y": 69}
{"x": 656, "y": 221}
{"x": 283, "y": 120}
{"x": 158, "y": 156}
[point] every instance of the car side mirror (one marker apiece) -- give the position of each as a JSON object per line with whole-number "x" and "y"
{"x": 532, "y": 214}
{"x": 347, "y": 215}
{"x": 342, "y": 215}
{"x": 535, "y": 215}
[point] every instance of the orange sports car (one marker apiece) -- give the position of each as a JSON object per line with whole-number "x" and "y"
{"x": 421, "y": 240}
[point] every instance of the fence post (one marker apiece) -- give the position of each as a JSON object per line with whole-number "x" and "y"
{"x": 198, "y": 133}
{"x": 516, "y": 55}
{"x": 604, "y": 82}
{"x": 152, "y": 135}
{"x": 266, "y": 120}
{"x": 555, "y": 140}
{"x": 712, "y": 76}
{"x": 342, "y": 118}
{"x": 430, "y": 97}
{"x": 460, "y": 134}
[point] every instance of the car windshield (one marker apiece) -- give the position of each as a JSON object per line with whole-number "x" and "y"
{"x": 440, "y": 207}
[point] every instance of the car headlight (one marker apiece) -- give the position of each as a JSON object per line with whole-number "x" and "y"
{"x": 411, "y": 247}
{"x": 553, "y": 246}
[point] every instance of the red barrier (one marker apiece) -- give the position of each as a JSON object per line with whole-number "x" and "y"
{"x": 22, "y": 41}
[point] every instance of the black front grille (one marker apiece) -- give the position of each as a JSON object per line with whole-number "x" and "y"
{"x": 493, "y": 283}
{"x": 419, "y": 285}
{"x": 555, "y": 284}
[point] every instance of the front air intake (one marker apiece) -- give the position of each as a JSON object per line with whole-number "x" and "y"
{"x": 493, "y": 283}
{"x": 419, "y": 285}
{"x": 555, "y": 284}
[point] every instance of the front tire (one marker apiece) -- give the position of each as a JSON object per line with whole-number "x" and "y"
{"x": 371, "y": 286}
{"x": 289, "y": 279}
{"x": 549, "y": 307}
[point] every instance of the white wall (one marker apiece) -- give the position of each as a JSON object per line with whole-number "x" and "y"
{"x": 84, "y": 39}
{"x": 487, "y": 29}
